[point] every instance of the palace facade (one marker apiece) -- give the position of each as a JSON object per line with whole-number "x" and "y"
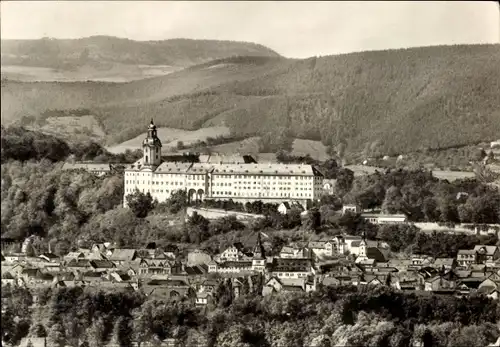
{"x": 241, "y": 182}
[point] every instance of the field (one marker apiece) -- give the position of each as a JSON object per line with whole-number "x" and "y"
{"x": 115, "y": 73}
{"x": 170, "y": 137}
{"x": 361, "y": 170}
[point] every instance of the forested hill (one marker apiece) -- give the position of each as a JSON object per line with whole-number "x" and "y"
{"x": 381, "y": 102}
{"x": 100, "y": 50}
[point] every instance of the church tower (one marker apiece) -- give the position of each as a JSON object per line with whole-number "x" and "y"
{"x": 151, "y": 147}
{"x": 259, "y": 256}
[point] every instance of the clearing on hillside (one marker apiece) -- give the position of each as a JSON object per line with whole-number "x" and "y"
{"x": 170, "y": 137}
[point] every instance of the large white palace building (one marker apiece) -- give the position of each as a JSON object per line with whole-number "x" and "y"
{"x": 241, "y": 182}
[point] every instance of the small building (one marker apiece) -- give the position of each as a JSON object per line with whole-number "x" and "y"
{"x": 95, "y": 168}
{"x": 294, "y": 252}
{"x": 285, "y": 207}
{"x": 352, "y": 209}
{"x": 233, "y": 253}
{"x": 466, "y": 257}
{"x": 441, "y": 283}
{"x": 291, "y": 268}
{"x": 329, "y": 186}
{"x": 385, "y": 218}
{"x": 445, "y": 263}
{"x": 487, "y": 254}
{"x": 121, "y": 256}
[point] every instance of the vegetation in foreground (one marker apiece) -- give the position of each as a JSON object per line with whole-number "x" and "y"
{"x": 331, "y": 316}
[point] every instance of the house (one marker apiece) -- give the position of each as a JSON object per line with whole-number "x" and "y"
{"x": 102, "y": 265}
{"x": 233, "y": 253}
{"x": 337, "y": 245}
{"x": 154, "y": 267}
{"x": 489, "y": 288}
{"x": 384, "y": 218}
{"x": 445, "y": 263}
{"x": 74, "y": 255}
{"x": 318, "y": 248}
{"x": 91, "y": 277}
{"x": 286, "y": 207}
{"x": 440, "y": 283}
{"x": 167, "y": 289}
{"x": 276, "y": 285}
{"x": 294, "y": 252}
{"x": 209, "y": 286}
{"x": 375, "y": 254}
{"x": 79, "y": 265}
{"x": 204, "y": 298}
{"x": 487, "y": 254}
{"x": 409, "y": 281}
{"x": 329, "y": 186}
{"x": 466, "y": 257}
{"x": 291, "y": 268}
{"x": 351, "y": 244}
{"x": 352, "y": 209}
{"x": 235, "y": 266}
{"x": 212, "y": 266}
{"x": 121, "y": 256}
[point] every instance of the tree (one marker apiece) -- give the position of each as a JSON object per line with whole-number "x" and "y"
{"x": 121, "y": 332}
{"x": 141, "y": 204}
{"x": 393, "y": 200}
{"x": 345, "y": 177}
{"x": 56, "y": 335}
{"x": 478, "y": 154}
{"x": 313, "y": 221}
{"x": 180, "y": 145}
{"x": 37, "y": 330}
{"x": 95, "y": 333}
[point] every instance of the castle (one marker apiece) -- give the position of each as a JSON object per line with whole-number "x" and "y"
{"x": 242, "y": 182}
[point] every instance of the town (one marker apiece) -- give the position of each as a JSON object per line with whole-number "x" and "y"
{"x": 303, "y": 265}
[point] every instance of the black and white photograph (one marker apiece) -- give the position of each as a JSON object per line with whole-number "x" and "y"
{"x": 250, "y": 173}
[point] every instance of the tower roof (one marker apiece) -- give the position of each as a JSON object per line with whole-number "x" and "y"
{"x": 152, "y": 124}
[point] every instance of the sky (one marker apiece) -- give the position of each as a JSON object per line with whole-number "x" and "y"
{"x": 293, "y": 29}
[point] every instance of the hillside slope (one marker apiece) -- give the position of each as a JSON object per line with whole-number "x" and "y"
{"x": 68, "y": 53}
{"x": 382, "y": 102}
{"x": 105, "y": 56}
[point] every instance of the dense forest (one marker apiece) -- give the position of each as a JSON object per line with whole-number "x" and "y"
{"x": 384, "y": 102}
{"x": 331, "y": 316}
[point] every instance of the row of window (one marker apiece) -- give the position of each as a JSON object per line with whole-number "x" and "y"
{"x": 225, "y": 177}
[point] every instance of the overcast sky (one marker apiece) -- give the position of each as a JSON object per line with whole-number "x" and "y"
{"x": 293, "y": 29}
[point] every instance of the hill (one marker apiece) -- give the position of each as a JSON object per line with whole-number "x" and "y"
{"x": 381, "y": 102}
{"x": 113, "y": 59}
